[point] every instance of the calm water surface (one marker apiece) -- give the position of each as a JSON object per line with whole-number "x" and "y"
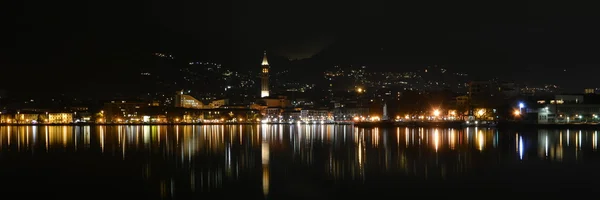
{"x": 295, "y": 162}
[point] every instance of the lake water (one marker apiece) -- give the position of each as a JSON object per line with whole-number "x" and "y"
{"x": 295, "y": 162}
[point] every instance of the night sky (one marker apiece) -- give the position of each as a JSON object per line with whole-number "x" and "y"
{"x": 526, "y": 41}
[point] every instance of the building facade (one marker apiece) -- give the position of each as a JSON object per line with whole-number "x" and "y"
{"x": 122, "y": 111}
{"x": 348, "y": 114}
{"x": 316, "y": 115}
{"x": 569, "y": 113}
{"x": 187, "y": 101}
{"x": 60, "y": 118}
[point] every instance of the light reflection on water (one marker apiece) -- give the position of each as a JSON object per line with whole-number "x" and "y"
{"x": 196, "y": 160}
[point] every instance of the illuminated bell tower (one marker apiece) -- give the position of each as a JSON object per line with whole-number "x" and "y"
{"x": 264, "y": 80}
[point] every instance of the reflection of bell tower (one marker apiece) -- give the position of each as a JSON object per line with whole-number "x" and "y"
{"x": 385, "y": 112}
{"x": 264, "y": 79}
{"x": 265, "y": 167}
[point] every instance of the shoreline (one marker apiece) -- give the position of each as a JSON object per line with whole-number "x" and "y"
{"x": 499, "y": 125}
{"x": 171, "y": 124}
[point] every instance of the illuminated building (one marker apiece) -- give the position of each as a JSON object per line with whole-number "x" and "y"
{"x": 290, "y": 114}
{"x": 6, "y": 118}
{"x": 22, "y": 118}
{"x": 60, "y": 117}
{"x": 568, "y": 113}
{"x": 272, "y": 107}
{"x": 279, "y": 102}
{"x": 264, "y": 80}
{"x": 219, "y": 103}
{"x": 315, "y": 114}
{"x": 589, "y": 91}
{"x": 187, "y": 101}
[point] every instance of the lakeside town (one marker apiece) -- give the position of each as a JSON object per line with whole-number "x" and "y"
{"x": 351, "y": 96}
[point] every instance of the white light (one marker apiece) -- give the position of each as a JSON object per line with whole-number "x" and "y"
{"x": 520, "y": 147}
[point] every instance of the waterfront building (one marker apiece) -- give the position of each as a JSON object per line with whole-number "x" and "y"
{"x": 60, "y": 118}
{"x": 315, "y": 115}
{"x": 348, "y": 113}
{"x": 122, "y": 111}
{"x": 567, "y": 109}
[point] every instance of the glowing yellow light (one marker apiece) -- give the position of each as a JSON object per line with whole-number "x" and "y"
{"x": 359, "y": 90}
{"x": 480, "y": 140}
{"x": 480, "y": 112}
{"x": 436, "y": 112}
{"x": 356, "y": 118}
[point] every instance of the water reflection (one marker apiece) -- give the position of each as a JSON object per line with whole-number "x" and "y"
{"x": 188, "y": 160}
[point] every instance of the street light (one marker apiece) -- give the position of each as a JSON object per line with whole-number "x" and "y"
{"x": 436, "y": 112}
{"x": 521, "y": 106}
{"x": 517, "y": 113}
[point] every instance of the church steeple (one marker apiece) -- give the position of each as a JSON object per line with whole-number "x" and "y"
{"x": 264, "y": 78}
{"x": 265, "y": 62}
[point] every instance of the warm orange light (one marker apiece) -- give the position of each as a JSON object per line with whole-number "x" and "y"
{"x": 517, "y": 112}
{"x": 436, "y": 112}
{"x": 480, "y": 112}
{"x": 356, "y": 118}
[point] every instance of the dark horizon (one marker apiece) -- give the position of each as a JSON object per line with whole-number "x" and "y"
{"x": 53, "y": 41}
